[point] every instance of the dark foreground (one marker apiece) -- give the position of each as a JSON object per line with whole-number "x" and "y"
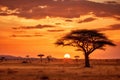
{"x": 60, "y": 70}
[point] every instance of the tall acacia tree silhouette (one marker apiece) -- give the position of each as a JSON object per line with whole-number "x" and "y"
{"x": 86, "y": 41}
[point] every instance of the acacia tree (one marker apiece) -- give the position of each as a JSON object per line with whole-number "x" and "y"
{"x": 40, "y": 55}
{"x": 86, "y": 41}
{"x": 77, "y": 58}
{"x": 28, "y": 59}
{"x": 49, "y": 58}
{"x": 2, "y": 59}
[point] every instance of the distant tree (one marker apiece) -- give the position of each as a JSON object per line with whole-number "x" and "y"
{"x": 28, "y": 59}
{"x": 49, "y": 58}
{"x": 40, "y": 55}
{"x": 77, "y": 58}
{"x": 2, "y": 59}
{"x": 86, "y": 41}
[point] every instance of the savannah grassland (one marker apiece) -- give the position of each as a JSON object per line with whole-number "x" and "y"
{"x": 60, "y": 70}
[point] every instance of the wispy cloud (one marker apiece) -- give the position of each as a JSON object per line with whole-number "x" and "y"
{"x": 55, "y": 30}
{"x": 111, "y": 27}
{"x": 4, "y": 10}
{"x": 26, "y": 35}
{"x": 87, "y": 20}
{"x": 111, "y": 2}
{"x": 34, "y": 27}
{"x": 68, "y": 20}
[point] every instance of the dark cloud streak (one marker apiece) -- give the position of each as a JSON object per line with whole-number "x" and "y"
{"x": 26, "y": 35}
{"x": 34, "y": 27}
{"x": 68, "y": 20}
{"x": 87, "y": 20}
{"x": 111, "y": 2}
{"x": 55, "y": 30}
{"x": 111, "y": 27}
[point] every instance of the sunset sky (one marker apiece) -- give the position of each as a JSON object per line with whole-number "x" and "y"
{"x": 31, "y": 27}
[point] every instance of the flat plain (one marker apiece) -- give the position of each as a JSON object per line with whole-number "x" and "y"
{"x": 106, "y": 69}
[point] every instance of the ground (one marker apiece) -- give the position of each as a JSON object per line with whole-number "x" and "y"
{"x": 60, "y": 70}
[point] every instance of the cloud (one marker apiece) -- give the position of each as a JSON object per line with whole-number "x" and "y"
{"x": 68, "y": 20}
{"x": 58, "y": 23}
{"x": 111, "y": 2}
{"x": 59, "y": 8}
{"x": 19, "y": 31}
{"x": 36, "y": 35}
{"x": 117, "y": 17}
{"x": 111, "y": 27}
{"x": 4, "y": 10}
{"x": 87, "y": 20}
{"x": 34, "y": 27}
{"x": 55, "y": 30}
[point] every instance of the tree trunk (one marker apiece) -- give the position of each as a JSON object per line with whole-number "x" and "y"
{"x": 40, "y": 59}
{"x": 87, "y": 63}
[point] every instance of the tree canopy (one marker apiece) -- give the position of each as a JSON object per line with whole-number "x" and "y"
{"x": 85, "y": 40}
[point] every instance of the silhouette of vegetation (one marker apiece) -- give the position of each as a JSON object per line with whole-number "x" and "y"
{"x": 40, "y": 55}
{"x": 11, "y": 72}
{"x": 24, "y": 62}
{"x": 44, "y": 78}
{"x": 86, "y": 41}
{"x": 2, "y": 59}
{"x": 28, "y": 59}
{"x": 49, "y": 58}
{"x": 77, "y": 58}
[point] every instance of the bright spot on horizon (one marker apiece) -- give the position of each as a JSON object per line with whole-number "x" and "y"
{"x": 67, "y": 55}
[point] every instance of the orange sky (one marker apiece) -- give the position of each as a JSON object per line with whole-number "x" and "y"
{"x": 30, "y": 27}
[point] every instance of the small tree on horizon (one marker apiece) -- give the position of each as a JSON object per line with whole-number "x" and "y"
{"x": 28, "y": 59}
{"x": 86, "y": 41}
{"x": 40, "y": 55}
{"x": 77, "y": 58}
{"x": 2, "y": 59}
{"x": 49, "y": 58}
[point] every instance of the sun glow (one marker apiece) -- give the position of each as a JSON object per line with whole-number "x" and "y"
{"x": 67, "y": 55}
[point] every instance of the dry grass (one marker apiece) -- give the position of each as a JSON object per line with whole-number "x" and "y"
{"x": 59, "y": 70}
